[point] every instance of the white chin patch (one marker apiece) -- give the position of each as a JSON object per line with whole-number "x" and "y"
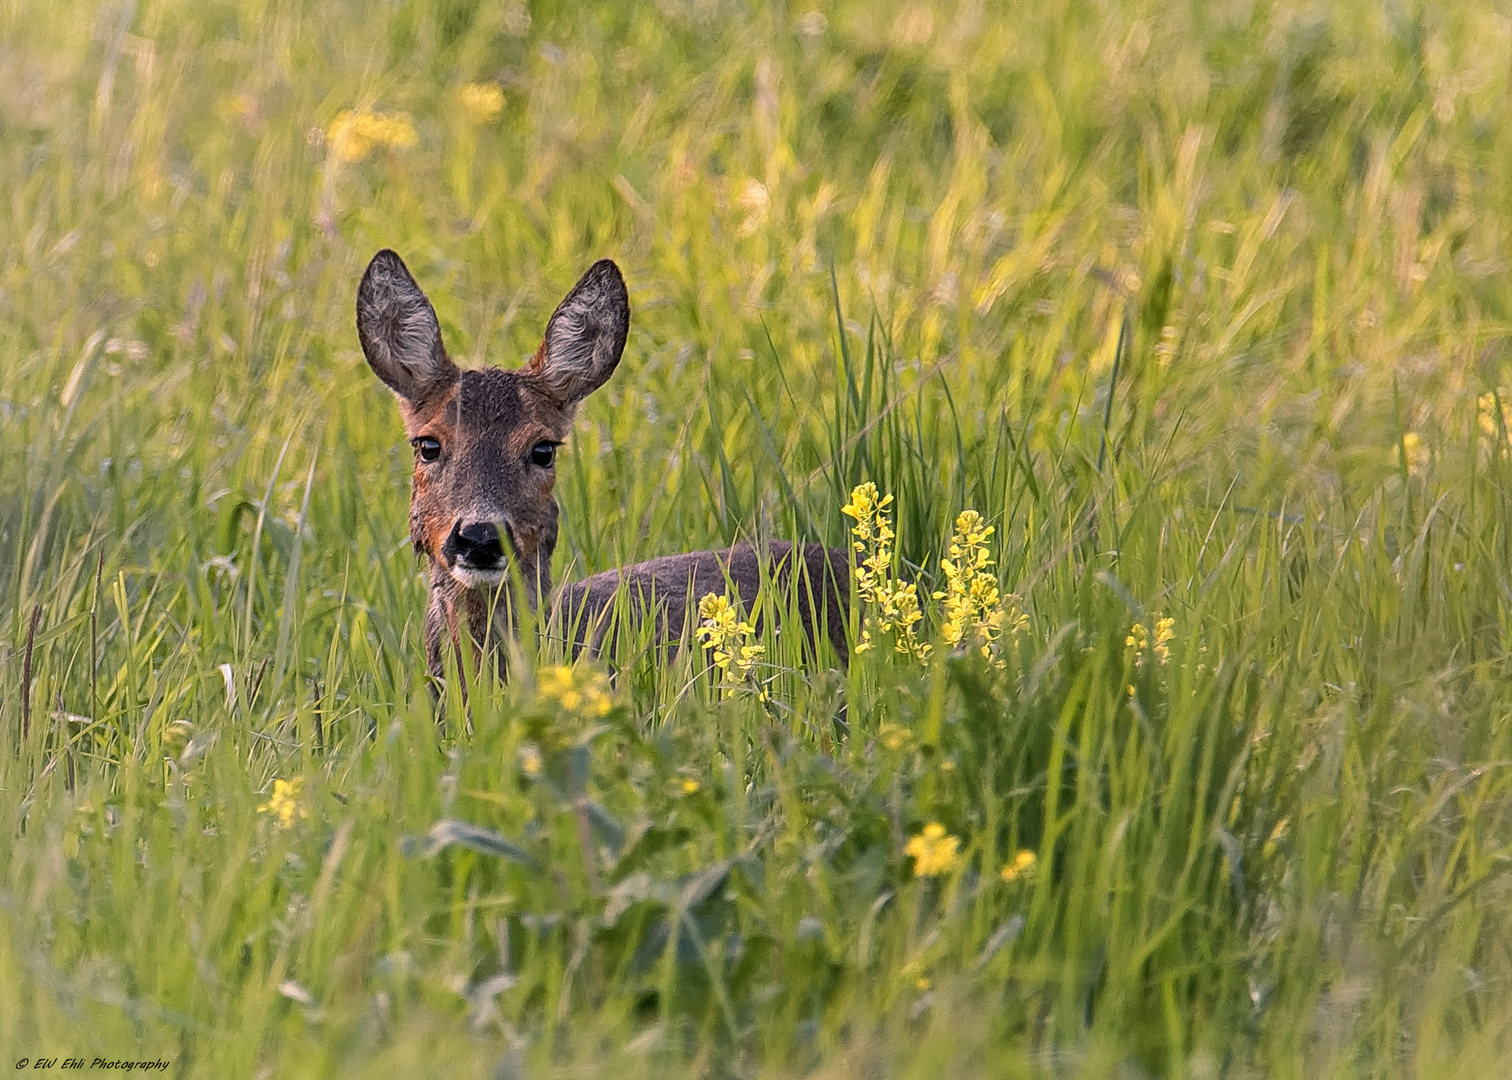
{"x": 477, "y": 579}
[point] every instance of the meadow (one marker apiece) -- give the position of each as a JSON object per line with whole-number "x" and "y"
{"x": 1204, "y": 307}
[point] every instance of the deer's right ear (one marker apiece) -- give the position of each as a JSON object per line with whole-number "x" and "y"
{"x": 399, "y": 332}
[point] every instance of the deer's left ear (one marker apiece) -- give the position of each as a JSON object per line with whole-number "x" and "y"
{"x": 585, "y": 336}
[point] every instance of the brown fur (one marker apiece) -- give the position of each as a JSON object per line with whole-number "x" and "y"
{"x": 486, "y": 425}
{"x": 667, "y": 589}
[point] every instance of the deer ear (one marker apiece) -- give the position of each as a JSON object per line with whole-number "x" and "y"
{"x": 585, "y": 336}
{"x": 399, "y": 332}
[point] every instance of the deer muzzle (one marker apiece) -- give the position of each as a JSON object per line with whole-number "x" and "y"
{"x": 475, "y": 554}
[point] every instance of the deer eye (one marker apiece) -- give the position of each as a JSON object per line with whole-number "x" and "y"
{"x": 543, "y": 454}
{"x": 429, "y": 449}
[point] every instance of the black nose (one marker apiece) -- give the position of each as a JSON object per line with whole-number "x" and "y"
{"x": 477, "y": 545}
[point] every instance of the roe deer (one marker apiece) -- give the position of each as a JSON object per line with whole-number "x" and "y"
{"x": 485, "y": 451}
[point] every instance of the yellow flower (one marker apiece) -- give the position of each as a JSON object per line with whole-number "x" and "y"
{"x": 934, "y": 851}
{"x": 576, "y": 690}
{"x": 1022, "y": 866}
{"x": 895, "y": 604}
{"x": 531, "y": 761}
{"x": 974, "y": 612}
{"x": 725, "y": 636}
{"x": 690, "y": 787}
{"x": 745, "y": 662}
{"x": 482, "y": 101}
{"x": 355, "y": 133}
{"x": 1139, "y": 640}
{"x": 898, "y": 613}
{"x": 1165, "y": 630}
{"x": 284, "y": 804}
{"x": 865, "y": 504}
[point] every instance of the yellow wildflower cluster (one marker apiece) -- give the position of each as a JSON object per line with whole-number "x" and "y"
{"x": 1494, "y": 423}
{"x": 1140, "y": 641}
{"x": 974, "y": 611}
{"x": 482, "y": 101}
{"x": 727, "y": 637}
{"x": 934, "y": 851}
{"x": 576, "y": 690}
{"x": 894, "y": 604}
{"x": 874, "y": 537}
{"x": 1020, "y": 868}
{"x": 355, "y": 133}
{"x": 284, "y": 804}
{"x": 899, "y": 615}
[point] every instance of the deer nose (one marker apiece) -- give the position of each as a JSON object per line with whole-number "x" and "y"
{"x": 477, "y": 544}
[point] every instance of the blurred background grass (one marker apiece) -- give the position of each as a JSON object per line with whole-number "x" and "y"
{"x": 885, "y": 241}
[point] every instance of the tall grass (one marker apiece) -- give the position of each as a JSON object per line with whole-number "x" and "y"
{"x": 865, "y": 241}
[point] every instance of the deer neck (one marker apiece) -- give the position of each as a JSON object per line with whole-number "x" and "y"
{"x": 488, "y": 616}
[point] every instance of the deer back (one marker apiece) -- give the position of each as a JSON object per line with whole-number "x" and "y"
{"x": 667, "y": 590}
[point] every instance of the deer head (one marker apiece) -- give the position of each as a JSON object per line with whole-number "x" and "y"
{"x": 485, "y": 441}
